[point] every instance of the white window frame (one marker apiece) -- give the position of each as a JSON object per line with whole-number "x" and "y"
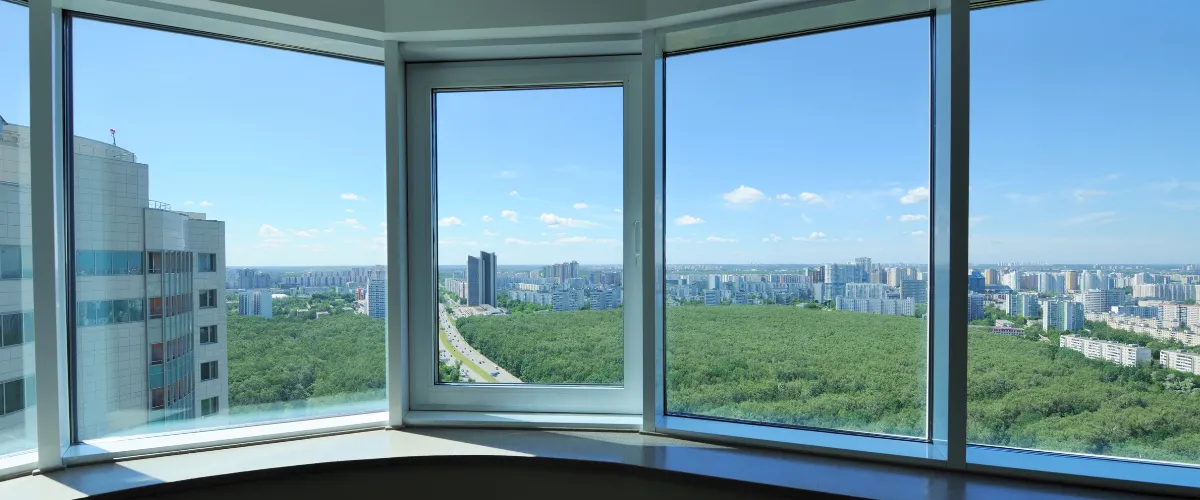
{"x": 426, "y": 394}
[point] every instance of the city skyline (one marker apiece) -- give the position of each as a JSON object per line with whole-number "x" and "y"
{"x": 816, "y": 200}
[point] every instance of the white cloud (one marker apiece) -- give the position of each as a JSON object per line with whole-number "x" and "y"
{"x": 306, "y": 234}
{"x": 784, "y": 196}
{"x": 773, "y": 237}
{"x": 581, "y": 206}
{"x": 515, "y": 241}
{"x": 486, "y": 218}
{"x": 744, "y": 196}
{"x": 269, "y": 231}
{"x": 350, "y": 196}
{"x": 350, "y": 221}
{"x": 514, "y": 193}
{"x": 918, "y": 233}
{"x": 206, "y": 203}
{"x": 688, "y": 220}
{"x": 556, "y": 221}
{"x": 189, "y": 202}
{"x": 507, "y": 174}
{"x": 450, "y": 221}
{"x": 383, "y": 224}
{"x": 887, "y": 218}
{"x": 912, "y": 218}
{"x": 617, "y": 210}
{"x": 488, "y": 233}
{"x": 812, "y": 236}
{"x": 349, "y": 210}
{"x": 329, "y": 230}
{"x": 915, "y": 195}
{"x": 806, "y": 219}
{"x": 509, "y": 214}
{"x": 1092, "y": 218}
{"x": 359, "y": 227}
{"x": 976, "y": 220}
{"x": 718, "y": 239}
{"x": 1083, "y": 194}
{"x": 811, "y": 198}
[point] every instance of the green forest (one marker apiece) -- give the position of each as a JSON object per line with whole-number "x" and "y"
{"x": 785, "y": 365}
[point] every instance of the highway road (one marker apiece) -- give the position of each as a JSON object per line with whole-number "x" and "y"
{"x": 461, "y": 345}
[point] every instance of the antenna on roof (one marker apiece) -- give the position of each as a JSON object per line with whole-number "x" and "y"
{"x": 113, "y": 131}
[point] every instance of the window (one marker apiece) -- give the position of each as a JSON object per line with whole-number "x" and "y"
{"x": 208, "y": 371}
{"x": 208, "y": 298}
{"x": 13, "y": 331}
{"x": 796, "y": 231}
{"x": 10, "y": 262}
{"x": 1097, "y": 102}
{"x": 208, "y": 334}
{"x": 136, "y": 185}
{"x": 156, "y": 264}
{"x": 208, "y": 406}
{"x": 207, "y": 262}
{"x": 13, "y": 396}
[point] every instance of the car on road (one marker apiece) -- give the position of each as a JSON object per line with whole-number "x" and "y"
{"x": 495, "y": 374}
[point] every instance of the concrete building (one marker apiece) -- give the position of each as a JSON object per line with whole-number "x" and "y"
{"x": 866, "y": 291}
{"x": 1071, "y": 280}
{"x": 255, "y": 303}
{"x": 377, "y": 298}
{"x": 149, "y": 281}
{"x": 712, "y": 297}
{"x": 1113, "y": 352}
{"x": 841, "y": 273}
{"x": 481, "y": 279}
{"x": 917, "y": 290}
{"x": 1181, "y": 360}
{"x": 1097, "y": 300}
{"x": 974, "y": 306}
{"x": 975, "y": 282}
{"x": 1049, "y": 283}
{"x": 991, "y": 277}
{"x": 1062, "y": 315}
{"x": 1021, "y": 304}
{"x": 898, "y": 307}
{"x": 1138, "y": 311}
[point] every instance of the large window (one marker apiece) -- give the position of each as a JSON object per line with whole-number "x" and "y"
{"x": 17, "y": 426}
{"x": 1083, "y": 319}
{"x": 529, "y": 200}
{"x": 796, "y": 231}
{"x": 269, "y": 160}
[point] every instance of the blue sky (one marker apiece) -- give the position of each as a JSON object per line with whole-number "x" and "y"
{"x": 809, "y": 149}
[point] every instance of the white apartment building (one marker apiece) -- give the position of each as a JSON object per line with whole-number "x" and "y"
{"x": 255, "y": 303}
{"x": 898, "y": 307}
{"x": 1063, "y": 315}
{"x": 1113, "y": 352}
{"x": 1096, "y": 300}
{"x": 377, "y": 298}
{"x": 712, "y": 297}
{"x": 1181, "y": 360}
{"x": 149, "y": 289}
{"x": 1021, "y": 304}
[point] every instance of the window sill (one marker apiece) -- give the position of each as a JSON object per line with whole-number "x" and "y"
{"x": 100, "y": 450}
{"x": 770, "y": 467}
{"x": 1158, "y": 477}
{"x": 17, "y": 463}
{"x": 522, "y": 420}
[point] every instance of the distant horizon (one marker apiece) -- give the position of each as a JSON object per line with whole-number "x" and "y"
{"x": 783, "y": 264}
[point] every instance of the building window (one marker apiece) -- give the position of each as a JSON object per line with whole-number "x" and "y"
{"x": 208, "y": 334}
{"x": 207, "y": 262}
{"x": 156, "y": 262}
{"x": 107, "y": 263}
{"x": 13, "y": 399}
{"x": 156, "y": 307}
{"x": 208, "y": 406}
{"x": 108, "y": 312}
{"x": 208, "y": 370}
{"x": 13, "y": 328}
{"x": 156, "y": 353}
{"x": 208, "y": 298}
{"x": 157, "y": 399}
{"x": 12, "y": 262}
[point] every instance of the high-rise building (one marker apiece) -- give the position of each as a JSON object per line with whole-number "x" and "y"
{"x": 145, "y": 289}
{"x": 255, "y": 303}
{"x": 1061, "y": 314}
{"x": 377, "y": 298}
{"x": 991, "y": 277}
{"x": 1022, "y": 304}
{"x": 918, "y": 290}
{"x": 481, "y": 278}
{"x": 865, "y": 291}
{"x": 841, "y": 273}
{"x": 864, "y": 269}
{"x": 974, "y": 306}
{"x": 1070, "y": 280}
{"x": 1099, "y": 301}
{"x": 1049, "y": 283}
{"x": 975, "y": 282}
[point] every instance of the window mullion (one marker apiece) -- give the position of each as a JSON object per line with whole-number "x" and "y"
{"x": 397, "y": 241}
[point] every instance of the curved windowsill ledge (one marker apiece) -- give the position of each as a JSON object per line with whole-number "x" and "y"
{"x": 769, "y": 467}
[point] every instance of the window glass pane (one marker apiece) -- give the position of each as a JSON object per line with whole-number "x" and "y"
{"x": 85, "y": 263}
{"x": 10, "y": 262}
{"x": 546, "y": 202}
{"x": 14, "y": 396}
{"x": 151, "y": 185}
{"x": 796, "y": 230}
{"x": 1084, "y": 330}
{"x": 11, "y": 330}
{"x": 103, "y": 263}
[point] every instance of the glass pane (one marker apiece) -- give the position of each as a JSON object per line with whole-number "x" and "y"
{"x": 152, "y": 185}
{"x": 85, "y": 263}
{"x": 547, "y": 203}
{"x": 796, "y": 230}
{"x": 10, "y": 262}
{"x": 11, "y": 330}
{"x": 1084, "y": 336}
{"x": 14, "y": 396}
{"x": 103, "y": 262}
